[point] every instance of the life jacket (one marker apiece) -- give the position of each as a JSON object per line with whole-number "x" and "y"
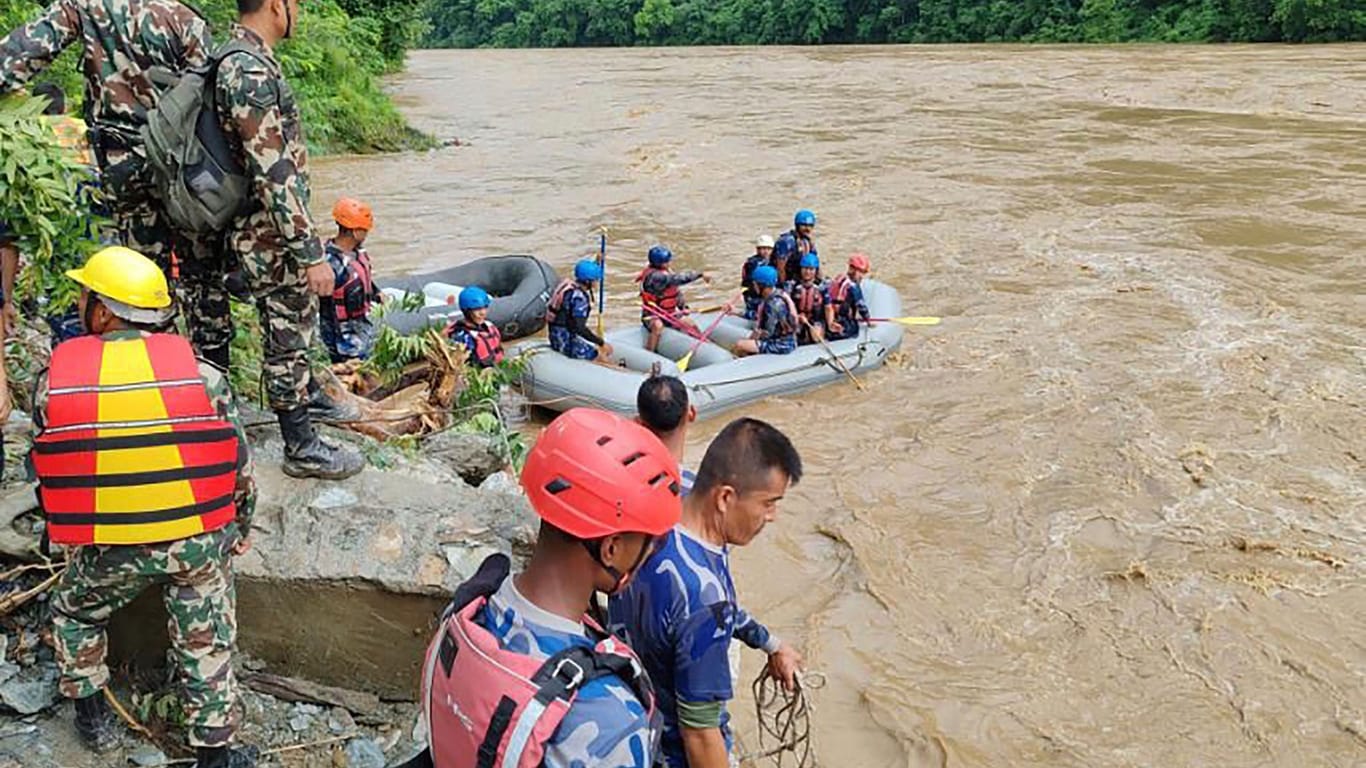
{"x": 487, "y": 706}
{"x": 840, "y": 293}
{"x": 669, "y": 301}
{"x": 787, "y": 326}
{"x": 351, "y": 299}
{"x": 488, "y": 341}
{"x": 747, "y": 274}
{"x": 132, "y": 451}
{"x": 809, "y": 300}
{"x": 554, "y": 314}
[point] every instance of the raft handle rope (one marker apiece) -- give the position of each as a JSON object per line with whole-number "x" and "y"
{"x": 784, "y": 719}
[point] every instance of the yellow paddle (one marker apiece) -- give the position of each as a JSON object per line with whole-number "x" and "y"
{"x": 687, "y": 358}
{"x": 906, "y": 320}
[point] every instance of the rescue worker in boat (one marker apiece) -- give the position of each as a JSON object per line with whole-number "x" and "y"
{"x": 775, "y": 323}
{"x": 480, "y": 338}
{"x": 662, "y": 407}
{"x": 795, "y": 243}
{"x": 845, "y": 304}
{"x": 567, "y": 314}
{"x": 520, "y": 655}
{"x": 763, "y": 254}
{"x": 661, "y": 296}
{"x": 143, "y": 470}
{"x": 344, "y": 317}
{"x": 681, "y": 613}
{"x": 808, "y": 296}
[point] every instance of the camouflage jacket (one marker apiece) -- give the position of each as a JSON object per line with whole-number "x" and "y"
{"x": 124, "y": 40}
{"x": 261, "y": 119}
{"x": 220, "y": 397}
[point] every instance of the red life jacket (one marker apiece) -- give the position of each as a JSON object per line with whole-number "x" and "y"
{"x": 670, "y": 301}
{"x": 786, "y": 327}
{"x": 553, "y": 314}
{"x": 351, "y": 299}
{"x": 486, "y": 706}
{"x": 810, "y": 300}
{"x": 488, "y": 341}
{"x": 132, "y": 451}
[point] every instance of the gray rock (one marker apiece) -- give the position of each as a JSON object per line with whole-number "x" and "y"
{"x": 31, "y": 690}
{"x": 364, "y": 753}
{"x": 146, "y": 756}
{"x": 339, "y": 721}
{"x": 334, "y": 497}
{"x": 300, "y": 723}
{"x": 472, "y": 456}
{"x": 500, "y": 482}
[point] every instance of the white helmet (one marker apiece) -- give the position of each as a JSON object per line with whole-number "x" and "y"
{"x": 763, "y": 241}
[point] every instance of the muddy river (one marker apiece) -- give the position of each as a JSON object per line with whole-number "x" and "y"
{"x": 1112, "y": 512}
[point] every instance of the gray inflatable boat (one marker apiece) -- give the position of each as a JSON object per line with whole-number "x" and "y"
{"x": 520, "y": 286}
{"x": 717, "y": 380}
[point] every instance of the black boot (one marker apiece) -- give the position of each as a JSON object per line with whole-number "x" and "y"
{"x": 96, "y": 724}
{"x": 226, "y": 757}
{"x": 219, "y": 356}
{"x": 306, "y": 455}
{"x": 324, "y": 408}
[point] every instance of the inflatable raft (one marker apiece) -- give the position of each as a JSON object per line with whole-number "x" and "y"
{"x": 717, "y": 381}
{"x": 520, "y": 287}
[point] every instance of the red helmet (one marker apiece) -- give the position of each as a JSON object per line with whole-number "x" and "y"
{"x": 860, "y": 262}
{"x": 353, "y": 214}
{"x": 594, "y": 474}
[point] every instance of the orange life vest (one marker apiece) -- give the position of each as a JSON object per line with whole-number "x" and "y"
{"x": 351, "y": 299}
{"x": 132, "y": 451}
{"x": 554, "y": 314}
{"x": 669, "y": 301}
{"x": 810, "y": 300}
{"x": 488, "y": 341}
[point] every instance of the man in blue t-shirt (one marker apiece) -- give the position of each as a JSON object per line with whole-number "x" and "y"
{"x": 680, "y": 613}
{"x": 662, "y": 406}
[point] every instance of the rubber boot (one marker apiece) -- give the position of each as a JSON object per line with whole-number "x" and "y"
{"x": 95, "y": 723}
{"x": 226, "y": 757}
{"x": 307, "y": 455}
{"x": 322, "y": 407}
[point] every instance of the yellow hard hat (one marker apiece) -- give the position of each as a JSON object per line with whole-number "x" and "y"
{"x": 126, "y": 276}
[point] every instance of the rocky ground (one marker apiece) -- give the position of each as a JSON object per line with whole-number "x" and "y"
{"x": 336, "y": 601}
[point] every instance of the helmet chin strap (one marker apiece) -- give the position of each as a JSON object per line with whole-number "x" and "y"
{"x": 619, "y": 577}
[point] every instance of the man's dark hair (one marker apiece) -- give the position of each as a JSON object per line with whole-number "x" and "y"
{"x": 245, "y": 7}
{"x": 56, "y": 98}
{"x": 662, "y": 402}
{"x": 744, "y": 454}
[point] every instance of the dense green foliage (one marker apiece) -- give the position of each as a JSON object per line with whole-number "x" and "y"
{"x": 333, "y": 61}
{"x": 554, "y": 23}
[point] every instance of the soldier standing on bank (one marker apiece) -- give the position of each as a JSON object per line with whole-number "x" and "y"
{"x": 143, "y": 469}
{"x": 126, "y": 44}
{"x": 279, "y": 250}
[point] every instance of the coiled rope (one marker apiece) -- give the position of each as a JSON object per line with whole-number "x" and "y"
{"x": 784, "y": 719}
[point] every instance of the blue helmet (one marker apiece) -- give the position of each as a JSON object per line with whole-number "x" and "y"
{"x": 766, "y": 276}
{"x": 474, "y": 297}
{"x": 660, "y": 255}
{"x": 810, "y": 260}
{"x": 804, "y": 217}
{"x": 587, "y": 271}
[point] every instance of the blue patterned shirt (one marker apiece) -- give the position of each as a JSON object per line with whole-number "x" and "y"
{"x": 679, "y": 614}
{"x": 606, "y": 727}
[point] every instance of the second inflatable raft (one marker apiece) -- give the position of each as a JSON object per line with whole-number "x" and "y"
{"x": 717, "y": 380}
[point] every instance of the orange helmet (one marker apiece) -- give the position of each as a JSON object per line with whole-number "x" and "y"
{"x": 860, "y": 262}
{"x": 353, "y": 214}
{"x": 594, "y": 474}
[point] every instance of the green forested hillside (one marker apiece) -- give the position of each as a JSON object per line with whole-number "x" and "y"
{"x": 553, "y": 23}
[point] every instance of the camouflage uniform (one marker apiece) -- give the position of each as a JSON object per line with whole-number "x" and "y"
{"x": 124, "y": 40}
{"x": 275, "y": 242}
{"x": 196, "y": 577}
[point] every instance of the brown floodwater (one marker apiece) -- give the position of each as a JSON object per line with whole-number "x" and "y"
{"x": 1112, "y": 512}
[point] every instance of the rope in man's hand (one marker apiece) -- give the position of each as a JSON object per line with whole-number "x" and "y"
{"x": 784, "y": 719}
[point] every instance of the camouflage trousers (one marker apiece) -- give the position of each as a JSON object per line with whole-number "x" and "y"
{"x": 196, "y": 580}
{"x": 197, "y": 275}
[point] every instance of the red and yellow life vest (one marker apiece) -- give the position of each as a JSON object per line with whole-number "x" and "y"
{"x": 669, "y": 301}
{"x": 132, "y": 451}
